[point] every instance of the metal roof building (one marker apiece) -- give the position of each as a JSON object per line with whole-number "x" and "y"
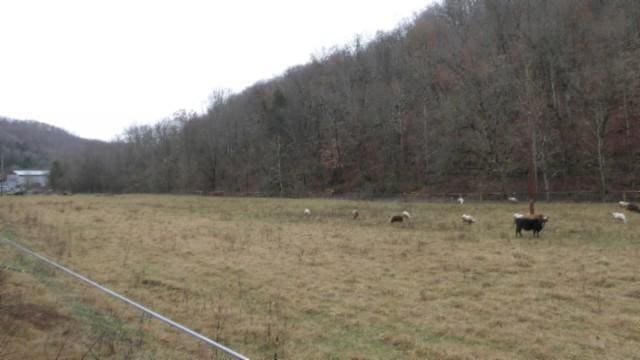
{"x": 27, "y": 178}
{"x": 31, "y": 172}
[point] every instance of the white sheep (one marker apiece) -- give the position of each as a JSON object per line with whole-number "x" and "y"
{"x": 512, "y": 199}
{"x": 460, "y": 200}
{"x": 624, "y": 204}
{"x": 404, "y": 216}
{"x": 307, "y": 212}
{"x": 355, "y": 214}
{"x": 619, "y": 216}
{"x": 517, "y": 216}
{"x": 468, "y": 219}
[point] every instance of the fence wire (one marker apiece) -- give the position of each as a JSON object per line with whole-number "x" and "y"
{"x": 233, "y": 354}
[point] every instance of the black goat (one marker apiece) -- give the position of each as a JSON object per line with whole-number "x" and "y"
{"x": 535, "y": 224}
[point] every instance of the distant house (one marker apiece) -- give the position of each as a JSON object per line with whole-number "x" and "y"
{"x": 24, "y": 179}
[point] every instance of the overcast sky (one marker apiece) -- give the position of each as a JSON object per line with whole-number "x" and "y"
{"x": 97, "y": 67}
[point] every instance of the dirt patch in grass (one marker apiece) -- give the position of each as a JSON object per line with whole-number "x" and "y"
{"x": 31, "y": 325}
{"x": 38, "y": 316}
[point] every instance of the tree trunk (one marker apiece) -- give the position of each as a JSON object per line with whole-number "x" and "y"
{"x": 600, "y": 124}
{"x": 425, "y": 141}
{"x": 627, "y": 127}
{"x": 543, "y": 169}
{"x": 212, "y": 168}
{"x": 601, "y": 165}
{"x": 279, "y": 168}
{"x": 532, "y": 179}
{"x": 336, "y": 141}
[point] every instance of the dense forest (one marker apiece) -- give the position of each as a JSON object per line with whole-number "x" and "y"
{"x": 444, "y": 103}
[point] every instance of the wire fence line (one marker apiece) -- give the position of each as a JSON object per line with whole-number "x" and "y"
{"x": 567, "y": 195}
{"x": 180, "y": 327}
{"x": 434, "y": 196}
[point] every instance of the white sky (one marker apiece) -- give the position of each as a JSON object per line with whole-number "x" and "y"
{"x": 97, "y": 67}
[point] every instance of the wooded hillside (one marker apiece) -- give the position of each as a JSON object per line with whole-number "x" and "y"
{"x": 442, "y": 103}
{"x": 34, "y": 145}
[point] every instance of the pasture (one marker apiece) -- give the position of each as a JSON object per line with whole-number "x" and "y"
{"x": 271, "y": 283}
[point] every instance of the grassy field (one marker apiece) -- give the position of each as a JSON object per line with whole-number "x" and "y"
{"x": 258, "y": 276}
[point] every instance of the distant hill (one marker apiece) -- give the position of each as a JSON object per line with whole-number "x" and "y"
{"x": 35, "y": 145}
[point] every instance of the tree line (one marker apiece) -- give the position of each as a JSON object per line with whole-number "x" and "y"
{"x": 442, "y": 103}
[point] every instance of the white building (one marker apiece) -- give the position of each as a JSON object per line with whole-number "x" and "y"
{"x": 24, "y": 179}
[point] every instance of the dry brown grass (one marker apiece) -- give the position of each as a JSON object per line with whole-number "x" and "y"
{"x": 263, "y": 279}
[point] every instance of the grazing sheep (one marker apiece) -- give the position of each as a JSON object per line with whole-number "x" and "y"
{"x": 460, "y": 200}
{"x": 468, "y": 219}
{"x": 629, "y": 206}
{"x": 355, "y": 214}
{"x": 404, "y": 216}
{"x": 307, "y": 212}
{"x": 512, "y": 199}
{"x": 619, "y": 216}
{"x": 517, "y": 216}
{"x": 535, "y": 223}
